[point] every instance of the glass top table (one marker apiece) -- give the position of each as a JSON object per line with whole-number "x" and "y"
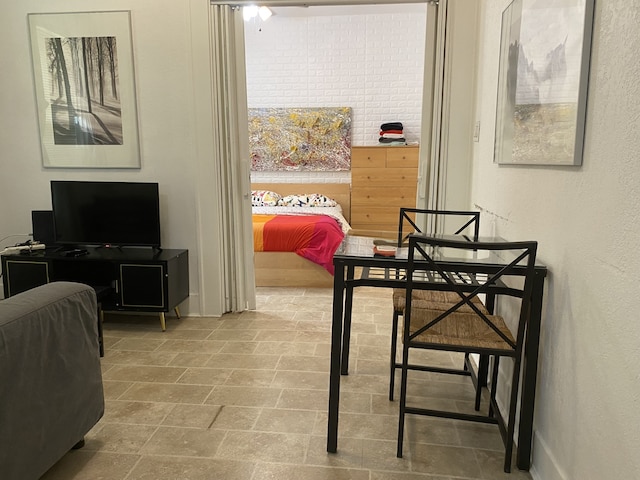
{"x": 357, "y": 265}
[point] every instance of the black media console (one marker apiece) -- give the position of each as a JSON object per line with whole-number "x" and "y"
{"x": 125, "y": 278}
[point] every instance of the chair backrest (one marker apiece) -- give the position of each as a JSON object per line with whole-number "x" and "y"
{"x": 496, "y": 268}
{"x": 457, "y": 222}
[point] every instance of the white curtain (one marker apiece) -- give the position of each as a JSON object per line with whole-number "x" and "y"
{"x": 231, "y": 156}
{"x": 434, "y": 108}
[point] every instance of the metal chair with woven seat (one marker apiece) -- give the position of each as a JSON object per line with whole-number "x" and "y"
{"x": 416, "y": 220}
{"x": 464, "y": 326}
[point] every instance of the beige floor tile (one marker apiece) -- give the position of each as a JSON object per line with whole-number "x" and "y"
{"x": 275, "y": 335}
{"x": 236, "y": 335}
{"x": 349, "y": 454}
{"x": 381, "y": 455}
{"x": 354, "y": 402}
{"x": 235, "y": 361}
{"x": 191, "y": 346}
{"x": 194, "y": 323}
{"x": 239, "y": 347}
{"x": 444, "y": 460}
{"x": 244, "y": 396}
{"x": 422, "y": 429}
{"x": 366, "y": 328}
{"x": 304, "y": 380}
{"x": 282, "y": 348}
{"x": 131, "y": 357}
{"x": 255, "y": 378}
{"x": 190, "y": 359}
{"x": 236, "y": 418}
{"x": 309, "y": 336}
{"x": 194, "y": 416}
{"x": 140, "y": 373}
{"x": 273, "y": 471}
{"x": 385, "y": 475}
{"x": 478, "y": 435}
{"x": 204, "y": 376}
{"x": 89, "y": 465}
{"x": 285, "y": 421}
{"x": 114, "y": 389}
{"x": 376, "y": 427}
{"x": 264, "y": 446}
{"x": 303, "y": 363}
{"x": 119, "y": 437}
{"x": 300, "y": 399}
{"x": 187, "y": 468}
{"x": 144, "y": 413}
{"x": 165, "y": 392}
{"x": 183, "y": 442}
{"x": 138, "y": 344}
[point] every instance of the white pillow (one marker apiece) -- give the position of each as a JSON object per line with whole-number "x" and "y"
{"x": 264, "y": 198}
{"x": 307, "y": 200}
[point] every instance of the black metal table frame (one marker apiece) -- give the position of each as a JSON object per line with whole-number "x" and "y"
{"x": 343, "y": 284}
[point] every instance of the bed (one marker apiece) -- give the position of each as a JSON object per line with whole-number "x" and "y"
{"x": 289, "y": 269}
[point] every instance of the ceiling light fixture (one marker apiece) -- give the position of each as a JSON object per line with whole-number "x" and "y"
{"x": 265, "y": 13}
{"x": 252, "y": 11}
{"x": 249, "y": 12}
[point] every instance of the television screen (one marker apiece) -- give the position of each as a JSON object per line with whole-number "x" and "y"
{"x": 106, "y": 213}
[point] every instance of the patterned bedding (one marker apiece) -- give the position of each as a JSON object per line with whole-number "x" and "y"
{"x": 314, "y": 233}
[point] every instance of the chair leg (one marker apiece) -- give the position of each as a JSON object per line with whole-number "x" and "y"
{"x": 403, "y": 397}
{"x": 483, "y": 369}
{"x": 512, "y": 414}
{"x": 494, "y": 383}
{"x": 394, "y": 347}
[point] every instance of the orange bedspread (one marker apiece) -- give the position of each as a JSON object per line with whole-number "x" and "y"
{"x": 314, "y": 237}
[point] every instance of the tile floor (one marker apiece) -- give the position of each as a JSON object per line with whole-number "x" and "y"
{"x": 244, "y": 397}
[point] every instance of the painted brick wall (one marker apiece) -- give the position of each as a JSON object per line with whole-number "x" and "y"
{"x": 373, "y": 63}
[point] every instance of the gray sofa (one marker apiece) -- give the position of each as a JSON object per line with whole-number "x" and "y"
{"x": 50, "y": 379}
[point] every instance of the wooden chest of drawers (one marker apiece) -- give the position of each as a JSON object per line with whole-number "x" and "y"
{"x": 383, "y": 179}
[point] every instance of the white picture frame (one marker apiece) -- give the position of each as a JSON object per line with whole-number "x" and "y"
{"x": 86, "y": 57}
{"x": 543, "y": 79}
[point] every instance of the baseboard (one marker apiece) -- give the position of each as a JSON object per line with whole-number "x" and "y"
{"x": 545, "y": 466}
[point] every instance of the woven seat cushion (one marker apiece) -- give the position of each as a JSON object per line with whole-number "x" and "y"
{"x": 434, "y": 300}
{"x": 460, "y": 329}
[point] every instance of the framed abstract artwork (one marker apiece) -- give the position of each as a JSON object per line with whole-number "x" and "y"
{"x": 545, "y": 50}
{"x": 300, "y": 139}
{"x": 85, "y": 89}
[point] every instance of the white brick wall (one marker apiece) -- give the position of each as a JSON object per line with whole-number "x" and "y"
{"x": 373, "y": 63}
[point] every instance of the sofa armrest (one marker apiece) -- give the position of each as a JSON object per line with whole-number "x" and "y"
{"x": 50, "y": 378}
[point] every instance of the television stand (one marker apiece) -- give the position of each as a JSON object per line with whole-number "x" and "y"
{"x": 129, "y": 279}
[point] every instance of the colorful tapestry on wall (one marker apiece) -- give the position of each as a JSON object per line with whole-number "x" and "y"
{"x": 300, "y": 139}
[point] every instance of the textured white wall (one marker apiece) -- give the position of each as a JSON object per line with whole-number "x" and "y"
{"x": 587, "y": 222}
{"x": 371, "y": 62}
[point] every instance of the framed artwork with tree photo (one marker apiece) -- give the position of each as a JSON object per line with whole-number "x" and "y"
{"x": 85, "y": 89}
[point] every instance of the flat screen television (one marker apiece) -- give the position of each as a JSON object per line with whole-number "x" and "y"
{"x": 106, "y": 213}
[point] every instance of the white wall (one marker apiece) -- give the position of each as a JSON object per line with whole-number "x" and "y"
{"x": 369, "y": 58}
{"x": 587, "y": 222}
{"x": 163, "y": 56}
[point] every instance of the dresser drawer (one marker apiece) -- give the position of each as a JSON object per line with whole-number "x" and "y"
{"x": 375, "y": 215}
{"x": 376, "y": 196}
{"x": 367, "y": 157}
{"x": 402, "y": 157}
{"x": 384, "y": 177}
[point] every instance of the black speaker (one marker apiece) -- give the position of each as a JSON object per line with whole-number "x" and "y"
{"x": 42, "y": 223}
